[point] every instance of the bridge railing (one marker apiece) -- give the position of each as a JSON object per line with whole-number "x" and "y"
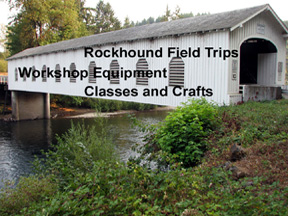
{"x": 3, "y": 79}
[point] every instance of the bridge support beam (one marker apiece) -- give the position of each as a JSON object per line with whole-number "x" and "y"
{"x": 30, "y": 106}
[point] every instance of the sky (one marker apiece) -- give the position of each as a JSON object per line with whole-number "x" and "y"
{"x": 138, "y": 10}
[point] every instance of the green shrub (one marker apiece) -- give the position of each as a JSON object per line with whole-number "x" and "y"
{"x": 28, "y": 190}
{"x": 77, "y": 150}
{"x": 182, "y": 135}
{"x": 116, "y": 189}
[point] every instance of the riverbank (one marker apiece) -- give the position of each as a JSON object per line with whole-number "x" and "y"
{"x": 252, "y": 183}
{"x": 8, "y": 111}
{"x": 73, "y": 112}
{"x": 89, "y": 113}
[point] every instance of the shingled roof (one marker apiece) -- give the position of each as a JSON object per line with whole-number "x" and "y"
{"x": 225, "y": 20}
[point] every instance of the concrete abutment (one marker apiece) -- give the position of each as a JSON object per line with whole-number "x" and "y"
{"x": 30, "y": 106}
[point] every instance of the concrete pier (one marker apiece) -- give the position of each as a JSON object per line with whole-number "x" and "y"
{"x": 30, "y": 106}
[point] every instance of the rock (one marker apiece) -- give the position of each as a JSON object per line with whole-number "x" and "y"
{"x": 54, "y": 116}
{"x": 191, "y": 212}
{"x": 236, "y": 152}
{"x": 238, "y": 172}
{"x": 227, "y": 165}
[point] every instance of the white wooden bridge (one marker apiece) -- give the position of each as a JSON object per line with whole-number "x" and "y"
{"x": 209, "y": 56}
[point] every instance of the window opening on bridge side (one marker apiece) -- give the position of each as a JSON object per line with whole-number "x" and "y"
{"x": 16, "y": 75}
{"x": 44, "y": 72}
{"x": 142, "y": 67}
{"x": 57, "y": 78}
{"x": 24, "y": 77}
{"x": 114, "y": 72}
{"x": 72, "y": 69}
{"x": 176, "y": 72}
{"x": 91, "y": 78}
{"x": 33, "y": 77}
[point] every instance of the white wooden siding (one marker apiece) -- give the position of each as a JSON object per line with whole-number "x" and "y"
{"x": 205, "y": 72}
{"x": 266, "y": 69}
{"x": 273, "y": 33}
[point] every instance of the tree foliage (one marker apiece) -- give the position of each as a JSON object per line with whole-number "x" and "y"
{"x": 286, "y": 75}
{"x": 40, "y": 22}
{"x": 3, "y": 65}
{"x": 168, "y": 16}
{"x": 128, "y": 23}
{"x": 4, "y": 52}
{"x": 105, "y": 19}
{"x": 182, "y": 136}
{"x": 86, "y": 15}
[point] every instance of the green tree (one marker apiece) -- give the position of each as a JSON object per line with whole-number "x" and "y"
{"x": 176, "y": 13}
{"x": 4, "y": 53}
{"x": 86, "y": 15}
{"x": 105, "y": 19}
{"x": 150, "y": 20}
{"x": 185, "y": 15}
{"x": 143, "y": 22}
{"x": 3, "y": 65}
{"x": 128, "y": 23}
{"x": 41, "y": 22}
{"x": 99, "y": 19}
{"x": 167, "y": 16}
{"x": 3, "y": 30}
{"x": 286, "y": 77}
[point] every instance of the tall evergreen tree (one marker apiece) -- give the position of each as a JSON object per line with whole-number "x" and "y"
{"x": 105, "y": 19}
{"x": 128, "y": 23}
{"x": 86, "y": 14}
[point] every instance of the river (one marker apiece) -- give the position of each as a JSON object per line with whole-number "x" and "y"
{"x": 21, "y": 141}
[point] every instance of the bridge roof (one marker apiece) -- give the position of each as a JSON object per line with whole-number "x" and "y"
{"x": 226, "y": 20}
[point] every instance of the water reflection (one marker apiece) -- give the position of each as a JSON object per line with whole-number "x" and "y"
{"x": 21, "y": 141}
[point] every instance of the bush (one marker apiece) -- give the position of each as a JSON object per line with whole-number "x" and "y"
{"x": 76, "y": 151}
{"x": 182, "y": 136}
{"x": 115, "y": 189}
{"x": 29, "y": 189}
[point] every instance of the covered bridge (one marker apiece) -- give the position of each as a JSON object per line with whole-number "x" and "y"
{"x": 226, "y": 57}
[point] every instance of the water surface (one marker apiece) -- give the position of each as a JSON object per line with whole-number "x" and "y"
{"x": 21, "y": 141}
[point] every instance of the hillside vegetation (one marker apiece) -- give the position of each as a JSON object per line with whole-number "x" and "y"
{"x": 197, "y": 173}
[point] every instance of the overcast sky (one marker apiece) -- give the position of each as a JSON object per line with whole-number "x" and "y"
{"x": 137, "y": 10}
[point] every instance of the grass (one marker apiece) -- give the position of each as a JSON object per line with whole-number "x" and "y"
{"x": 262, "y": 128}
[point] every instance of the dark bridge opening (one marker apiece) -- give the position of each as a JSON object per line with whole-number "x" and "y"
{"x": 255, "y": 68}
